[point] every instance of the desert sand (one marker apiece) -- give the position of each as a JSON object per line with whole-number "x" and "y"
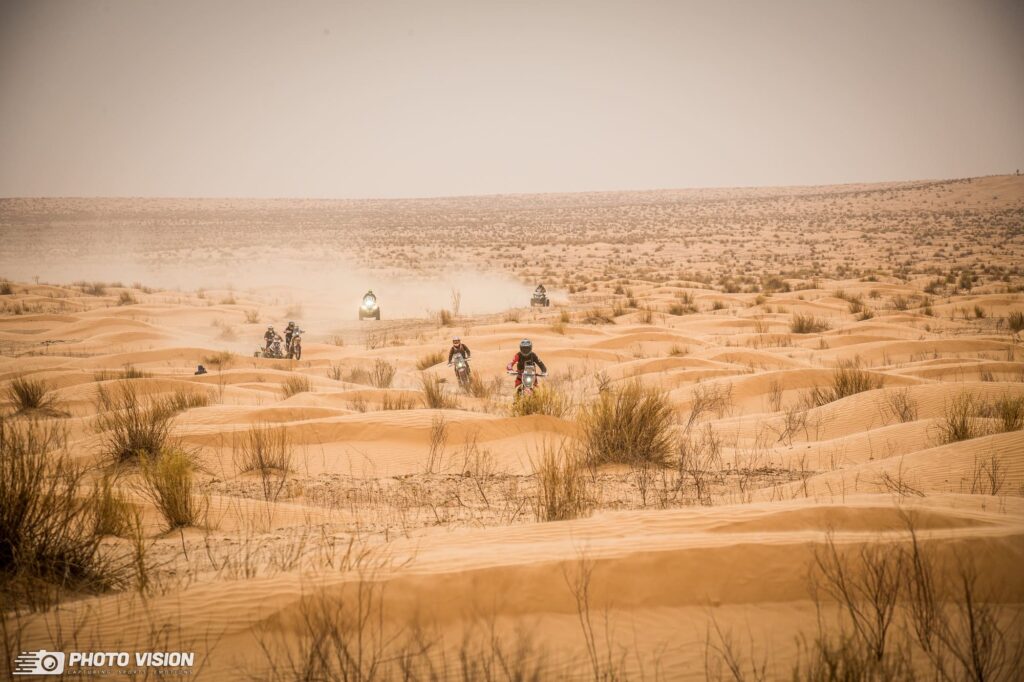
{"x": 400, "y": 538}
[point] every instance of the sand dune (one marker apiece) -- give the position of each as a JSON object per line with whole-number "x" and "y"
{"x": 438, "y": 511}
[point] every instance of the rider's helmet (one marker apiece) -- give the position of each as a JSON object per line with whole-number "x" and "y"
{"x": 291, "y": 323}
{"x": 456, "y": 341}
{"x": 526, "y": 346}
{"x": 270, "y": 328}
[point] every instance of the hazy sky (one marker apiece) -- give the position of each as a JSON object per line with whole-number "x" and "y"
{"x": 420, "y": 98}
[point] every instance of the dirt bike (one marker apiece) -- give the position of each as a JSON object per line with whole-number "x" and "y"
{"x": 461, "y": 363}
{"x": 274, "y": 352}
{"x": 529, "y": 380}
{"x": 295, "y": 350}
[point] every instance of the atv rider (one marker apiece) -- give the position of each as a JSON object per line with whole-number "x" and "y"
{"x": 540, "y": 290}
{"x": 269, "y": 336}
{"x": 524, "y": 356}
{"x": 457, "y": 347}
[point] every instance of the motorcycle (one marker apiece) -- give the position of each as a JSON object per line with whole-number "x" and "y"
{"x": 529, "y": 381}
{"x": 295, "y": 350}
{"x": 272, "y": 352}
{"x": 461, "y": 363}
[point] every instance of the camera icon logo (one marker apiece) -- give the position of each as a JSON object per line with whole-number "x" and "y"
{"x": 40, "y": 662}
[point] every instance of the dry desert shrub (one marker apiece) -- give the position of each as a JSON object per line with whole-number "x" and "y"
{"x": 952, "y": 628}
{"x": 847, "y": 379}
{"x": 562, "y": 490}
{"x": 808, "y": 324}
{"x": 252, "y": 316}
{"x": 126, "y": 298}
{"x": 167, "y": 482}
{"x": 959, "y": 420}
{"x": 901, "y": 405}
{"x": 708, "y": 399}
{"x": 438, "y": 443}
{"x": 434, "y": 394}
{"x": 1007, "y": 410}
{"x": 382, "y": 374}
{"x": 429, "y": 360}
{"x": 48, "y": 542}
{"x": 114, "y": 514}
{"x": 267, "y": 451}
{"x": 128, "y": 372}
{"x": 397, "y": 401}
{"x": 1016, "y": 322}
{"x": 480, "y": 388}
{"x": 545, "y": 399}
{"x": 294, "y": 385}
{"x": 631, "y": 423}
{"x": 445, "y": 318}
{"x": 699, "y": 461}
{"x": 596, "y": 316}
{"x": 132, "y": 428}
{"x": 263, "y": 448}
{"x": 28, "y": 396}
{"x": 219, "y": 360}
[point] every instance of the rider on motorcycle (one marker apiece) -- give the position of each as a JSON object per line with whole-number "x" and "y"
{"x": 524, "y": 356}
{"x": 289, "y": 332}
{"x": 458, "y": 347}
{"x": 270, "y": 335}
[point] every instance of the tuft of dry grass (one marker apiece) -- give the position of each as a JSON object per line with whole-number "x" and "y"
{"x": 126, "y": 298}
{"x": 847, "y": 379}
{"x": 167, "y": 481}
{"x": 113, "y": 512}
{"x": 382, "y": 374}
{"x": 808, "y": 324}
{"x": 397, "y": 401}
{"x": 958, "y": 421}
{"x": 264, "y": 448}
{"x": 901, "y": 405}
{"x": 628, "y": 424}
{"x": 1016, "y": 322}
{"x": 434, "y": 395}
{"x": 546, "y": 399}
{"x": 48, "y": 542}
{"x": 429, "y": 360}
{"x": 219, "y": 360}
{"x": 562, "y": 490}
{"x": 294, "y": 385}
{"x": 32, "y": 395}
{"x": 1007, "y": 410}
{"x": 131, "y": 428}
{"x": 267, "y": 451}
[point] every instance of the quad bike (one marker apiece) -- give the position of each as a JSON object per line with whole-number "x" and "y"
{"x": 273, "y": 352}
{"x": 369, "y": 308}
{"x": 295, "y": 350}
{"x": 529, "y": 380}
{"x": 461, "y": 363}
{"x": 540, "y": 298}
